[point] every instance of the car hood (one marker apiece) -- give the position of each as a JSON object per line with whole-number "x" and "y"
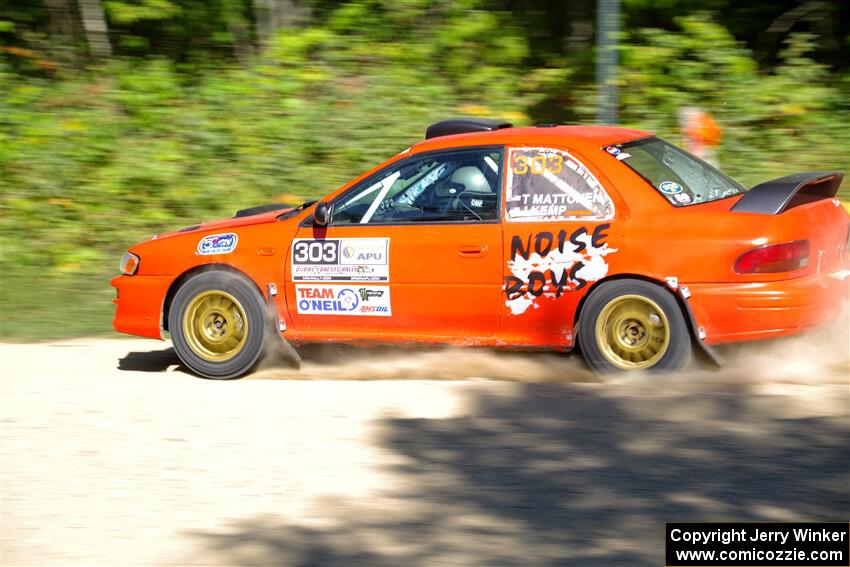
{"x": 229, "y": 223}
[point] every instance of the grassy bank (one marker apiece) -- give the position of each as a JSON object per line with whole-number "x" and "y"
{"x": 100, "y": 156}
{"x": 36, "y": 307}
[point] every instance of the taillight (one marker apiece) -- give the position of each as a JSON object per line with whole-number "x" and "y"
{"x": 785, "y": 257}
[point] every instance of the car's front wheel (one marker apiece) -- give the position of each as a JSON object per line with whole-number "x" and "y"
{"x": 633, "y": 325}
{"x": 218, "y": 325}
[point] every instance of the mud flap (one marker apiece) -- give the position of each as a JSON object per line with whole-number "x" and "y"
{"x": 288, "y": 352}
{"x": 709, "y": 354}
{"x": 283, "y": 349}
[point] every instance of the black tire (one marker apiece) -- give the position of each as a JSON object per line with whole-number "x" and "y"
{"x": 244, "y": 315}
{"x": 605, "y": 317}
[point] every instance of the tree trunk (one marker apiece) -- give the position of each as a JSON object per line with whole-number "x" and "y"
{"x": 581, "y": 26}
{"x": 262, "y": 19}
{"x": 62, "y": 19}
{"x": 272, "y": 15}
{"x": 242, "y": 46}
{"x": 95, "y": 28}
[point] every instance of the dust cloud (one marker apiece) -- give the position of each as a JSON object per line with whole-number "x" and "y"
{"x": 339, "y": 362}
{"x": 820, "y": 356}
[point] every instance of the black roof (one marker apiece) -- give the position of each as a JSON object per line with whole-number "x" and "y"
{"x": 463, "y": 126}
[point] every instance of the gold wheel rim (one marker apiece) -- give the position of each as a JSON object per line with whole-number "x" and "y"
{"x": 215, "y": 326}
{"x": 633, "y": 332}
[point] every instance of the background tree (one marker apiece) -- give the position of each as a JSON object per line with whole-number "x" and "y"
{"x": 94, "y": 25}
{"x": 123, "y": 118}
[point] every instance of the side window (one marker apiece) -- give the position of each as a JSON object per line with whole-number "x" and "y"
{"x": 457, "y": 186}
{"x": 546, "y": 184}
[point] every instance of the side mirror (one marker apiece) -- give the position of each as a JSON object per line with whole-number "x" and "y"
{"x": 322, "y": 214}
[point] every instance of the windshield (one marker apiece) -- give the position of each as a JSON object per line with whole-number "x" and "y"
{"x": 679, "y": 176}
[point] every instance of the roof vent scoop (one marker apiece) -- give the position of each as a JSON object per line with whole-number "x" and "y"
{"x": 464, "y": 126}
{"x": 260, "y": 209}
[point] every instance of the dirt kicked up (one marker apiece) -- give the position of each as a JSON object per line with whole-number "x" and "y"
{"x": 113, "y": 455}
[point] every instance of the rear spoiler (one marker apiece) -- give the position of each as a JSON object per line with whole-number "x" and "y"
{"x": 776, "y": 196}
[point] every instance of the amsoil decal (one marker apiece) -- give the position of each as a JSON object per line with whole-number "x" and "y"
{"x": 343, "y": 300}
{"x": 344, "y": 259}
{"x": 218, "y": 244}
{"x": 546, "y": 184}
{"x": 548, "y": 264}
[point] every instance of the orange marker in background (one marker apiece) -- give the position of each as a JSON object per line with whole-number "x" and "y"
{"x": 701, "y": 133}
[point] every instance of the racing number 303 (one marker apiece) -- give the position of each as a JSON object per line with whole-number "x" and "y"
{"x": 324, "y": 252}
{"x": 536, "y": 165}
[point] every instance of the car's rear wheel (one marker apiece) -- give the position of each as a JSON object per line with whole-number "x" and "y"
{"x": 633, "y": 325}
{"x": 218, "y": 323}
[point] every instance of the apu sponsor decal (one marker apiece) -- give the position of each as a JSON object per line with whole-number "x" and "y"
{"x": 345, "y": 259}
{"x": 546, "y": 264}
{"x": 343, "y": 300}
{"x": 218, "y": 244}
{"x": 370, "y": 251}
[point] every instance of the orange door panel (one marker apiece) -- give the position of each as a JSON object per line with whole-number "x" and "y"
{"x": 436, "y": 280}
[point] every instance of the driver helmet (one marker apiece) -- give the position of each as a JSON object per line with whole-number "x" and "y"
{"x": 470, "y": 179}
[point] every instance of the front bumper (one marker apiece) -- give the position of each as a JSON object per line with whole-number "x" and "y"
{"x": 139, "y": 304}
{"x": 730, "y": 312}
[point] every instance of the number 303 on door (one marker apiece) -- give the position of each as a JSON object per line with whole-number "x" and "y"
{"x": 314, "y": 252}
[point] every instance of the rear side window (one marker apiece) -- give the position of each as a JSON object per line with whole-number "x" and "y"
{"x": 546, "y": 184}
{"x": 683, "y": 179}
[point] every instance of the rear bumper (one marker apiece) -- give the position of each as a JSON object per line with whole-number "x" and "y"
{"x": 138, "y": 304}
{"x": 748, "y": 311}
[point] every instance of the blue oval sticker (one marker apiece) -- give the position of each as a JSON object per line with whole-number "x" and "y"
{"x": 218, "y": 244}
{"x": 670, "y": 187}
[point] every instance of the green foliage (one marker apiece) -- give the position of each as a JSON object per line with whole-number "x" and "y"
{"x": 132, "y": 12}
{"x": 99, "y": 160}
{"x": 793, "y": 118}
{"x": 33, "y": 305}
{"x": 94, "y": 160}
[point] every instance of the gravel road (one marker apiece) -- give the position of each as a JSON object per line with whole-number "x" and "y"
{"x": 113, "y": 455}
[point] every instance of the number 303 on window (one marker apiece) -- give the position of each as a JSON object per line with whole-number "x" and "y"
{"x": 536, "y": 165}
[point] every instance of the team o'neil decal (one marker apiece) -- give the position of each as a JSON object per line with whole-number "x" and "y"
{"x": 343, "y": 259}
{"x": 321, "y": 299}
{"x": 218, "y": 244}
{"x": 546, "y": 264}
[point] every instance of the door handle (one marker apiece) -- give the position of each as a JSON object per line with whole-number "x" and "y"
{"x": 473, "y": 251}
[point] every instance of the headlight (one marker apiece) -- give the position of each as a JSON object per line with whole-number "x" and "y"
{"x": 129, "y": 264}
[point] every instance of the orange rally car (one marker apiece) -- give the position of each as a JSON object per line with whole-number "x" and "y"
{"x": 548, "y": 237}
